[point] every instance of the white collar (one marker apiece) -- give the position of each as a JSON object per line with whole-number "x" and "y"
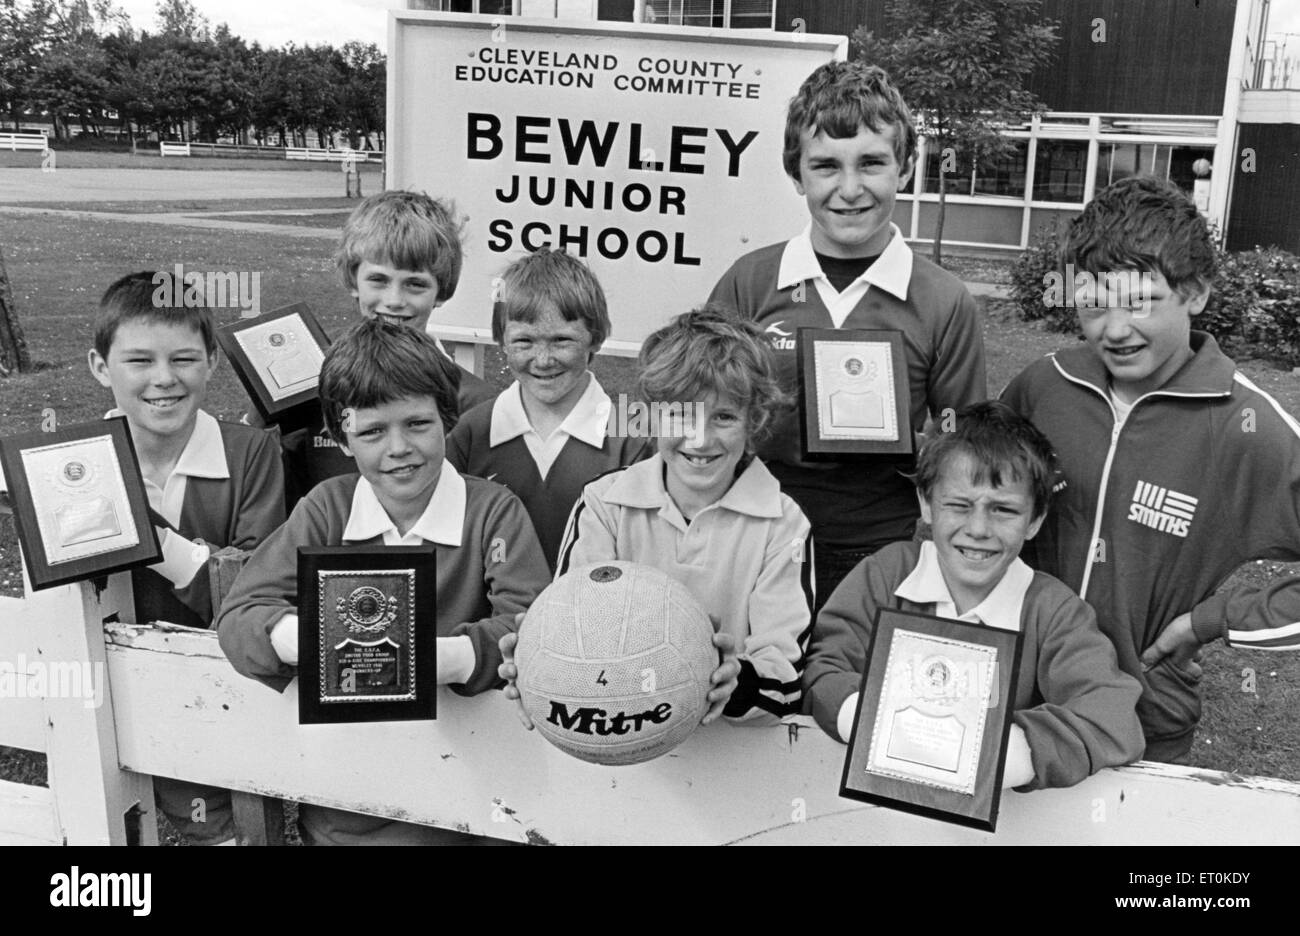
{"x": 892, "y": 270}
{"x": 756, "y": 492}
{"x": 586, "y": 422}
{"x": 1001, "y": 608}
{"x": 442, "y": 522}
{"x": 204, "y": 455}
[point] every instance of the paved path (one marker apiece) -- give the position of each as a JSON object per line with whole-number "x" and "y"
{"x": 992, "y": 290}
{"x": 181, "y": 219}
{"x": 96, "y": 185}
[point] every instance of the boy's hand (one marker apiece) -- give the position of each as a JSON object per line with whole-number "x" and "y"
{"x": 509, "y": 672}
{"x": 1177, "y": 641}
{"x": 724, "y": 678}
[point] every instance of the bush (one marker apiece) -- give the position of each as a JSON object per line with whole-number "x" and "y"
{"x": 1254, "y": 307}
{"x": 1029, "y": 281}
{"x": 1253, "y": 310}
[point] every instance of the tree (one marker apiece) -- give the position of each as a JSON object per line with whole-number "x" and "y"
{"x": 363, "y": 93}
{"x": 961, "y": 65}
{"x": 181, "y": 18}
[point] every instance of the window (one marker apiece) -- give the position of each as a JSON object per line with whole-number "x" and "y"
{"x": 752, "y": 14}
{"x": 454, "y": 6}
{"x": 1059, "y": 170}
{"x": 1004, "y": 177}
{"x": 1117, "y": 161}
{"x": 745, "y": 14}
{"x": 957, "y": 167}
{"x": 687, "y": 12}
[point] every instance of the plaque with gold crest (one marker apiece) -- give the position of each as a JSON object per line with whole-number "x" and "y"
{"x": 278, "y": 357}
{"x": 934, "y": 716}
{"x": 367, "y": 637}
{"x": 854, "y": 399}
{"x": 79, "y": 502}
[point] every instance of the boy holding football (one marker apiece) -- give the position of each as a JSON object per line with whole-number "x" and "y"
{"x": 706, "y": 511}
{"x": 850, "y": 147}
{"x": 1177, "y": 468}
{"x": 983, "y": 489}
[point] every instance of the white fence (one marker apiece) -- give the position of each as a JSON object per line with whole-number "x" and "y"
{"x": 173, "y": 706}
{"x": 24, "y": 141}
{"x": 308, "y": 153}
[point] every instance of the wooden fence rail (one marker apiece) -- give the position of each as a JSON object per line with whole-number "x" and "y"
{"x": 173, "y": 706}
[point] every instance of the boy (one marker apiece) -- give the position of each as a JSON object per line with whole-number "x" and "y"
{"x": 400, "y": 257}
{"x": 1177, "y": 468}
{"x": 984, "y": 490}
{"x": 388, "y": 397}
{"x": 210, "y": 484}
{"x": 706, "y": 511}
{"x": 544, "y": 435}
{"x": 850, "y": 147}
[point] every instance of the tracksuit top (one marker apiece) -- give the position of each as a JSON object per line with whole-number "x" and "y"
{"x": 747, "y": 559}
{"x": 1156, "y": 513}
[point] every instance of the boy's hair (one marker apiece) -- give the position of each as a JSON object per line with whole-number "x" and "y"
{"x": 550, "y": 280}
{"x": 407, "y": 230}
{"x": 839, "y": 99}
{"x": 711, "y": 350}
{"x": 151, "y": 296}
{"x": 1002, "y": 446}
{"x": 1143, "y": 223}
{"x": 376, "y": 362}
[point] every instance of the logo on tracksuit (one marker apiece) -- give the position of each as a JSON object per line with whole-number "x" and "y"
{"x": 1162, "y": 509}
{"x": 781, "y": 340}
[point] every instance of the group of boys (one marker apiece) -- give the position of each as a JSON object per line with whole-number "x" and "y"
{"x": 1134, "y": 472}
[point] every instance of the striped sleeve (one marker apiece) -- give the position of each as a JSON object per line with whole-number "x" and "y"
{"x": 1266, "y": 512}
{"x": 780, "y": 623}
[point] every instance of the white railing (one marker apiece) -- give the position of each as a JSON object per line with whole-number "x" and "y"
{"x": 24, "y": 141}
{"x": 308, "y": 153}
{"x": 174, "y": 707}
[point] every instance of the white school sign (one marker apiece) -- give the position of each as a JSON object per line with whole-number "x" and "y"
{"x": 652, "y": 152}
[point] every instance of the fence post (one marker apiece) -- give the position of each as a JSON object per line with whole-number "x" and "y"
{"x": 96, "y": 802}
{"x": 259, "y": 820}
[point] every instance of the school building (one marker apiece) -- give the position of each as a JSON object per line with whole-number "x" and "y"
{"x": 1157, "y": 86}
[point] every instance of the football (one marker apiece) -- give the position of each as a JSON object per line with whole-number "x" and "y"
{"x": 614, "y": 662}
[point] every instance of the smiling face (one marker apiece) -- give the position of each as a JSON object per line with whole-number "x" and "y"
{"x": 703, "y": 452}
{"x": 399, "y": 448}
{"x": 1143, "y": 340}
{"x": 978, "y": 529}
{"x": 406, "y": 297}
{"x": 850, "y": 185}
{"x": 549, "y": 358}
{"x": 158, "y": 374}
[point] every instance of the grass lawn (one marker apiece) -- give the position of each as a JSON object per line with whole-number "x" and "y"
{"x": 60, "y": 266}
